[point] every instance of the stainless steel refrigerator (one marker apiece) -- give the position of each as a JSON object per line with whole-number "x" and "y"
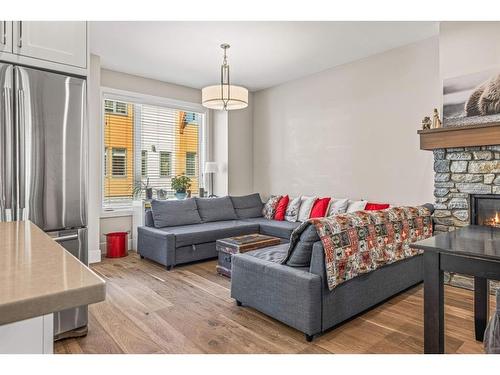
{"x": 43, "y": 168}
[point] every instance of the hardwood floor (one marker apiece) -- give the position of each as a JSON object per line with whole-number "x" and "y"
{"x": 189, "y": 310}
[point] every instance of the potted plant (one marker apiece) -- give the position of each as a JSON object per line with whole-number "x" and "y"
{"x": 140, "y": 186}
{"x": 181, "y": 184}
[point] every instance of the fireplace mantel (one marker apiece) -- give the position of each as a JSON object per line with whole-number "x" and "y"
{"x": 463, "y": 136}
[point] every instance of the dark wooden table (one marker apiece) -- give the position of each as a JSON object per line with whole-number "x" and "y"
{"x": 227, "y": 247}
{"x": 473, "y": 250}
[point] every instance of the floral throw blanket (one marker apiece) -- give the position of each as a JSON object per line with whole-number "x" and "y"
{"x": 360, "y": 242}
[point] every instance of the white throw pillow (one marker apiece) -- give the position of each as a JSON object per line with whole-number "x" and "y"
{"x": 337, "y": 206}
{"x": 306, "y": 206}
{"x": 292, "y": 210}
{"x": 356, "y": 206}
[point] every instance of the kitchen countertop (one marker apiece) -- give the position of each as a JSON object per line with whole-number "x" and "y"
{"x": 38, "y": 276}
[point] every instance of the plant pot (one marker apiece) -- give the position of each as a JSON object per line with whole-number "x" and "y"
{"x": 149, "y": 193}
{"x": 181, "y": 195}
{"x": 161, "y": 194}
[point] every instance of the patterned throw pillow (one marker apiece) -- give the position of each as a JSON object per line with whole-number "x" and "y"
{"x": 356, "y": 206}
{"x": 306, "y": 206}
{"x": 337, "y": 206}
{"x": 292, "y": 211}
{"x": 270, "y": 207}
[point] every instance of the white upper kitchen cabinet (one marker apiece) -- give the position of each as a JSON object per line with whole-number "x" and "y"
{"x": 63, "y": 42}
{"x": 6, "y": 36}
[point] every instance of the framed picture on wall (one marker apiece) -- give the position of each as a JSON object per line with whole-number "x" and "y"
{"x": 472, "y": 99}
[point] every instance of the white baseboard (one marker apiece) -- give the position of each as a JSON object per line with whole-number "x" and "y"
{"x": 94, "y": 256}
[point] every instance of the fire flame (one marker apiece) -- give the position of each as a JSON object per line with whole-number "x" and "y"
{"x": 493, "y": 221}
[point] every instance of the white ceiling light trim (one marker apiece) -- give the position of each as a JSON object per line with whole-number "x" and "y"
{"x": 224, "y": 96}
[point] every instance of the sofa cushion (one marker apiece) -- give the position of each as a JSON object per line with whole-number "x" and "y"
{"x": 306, "y": 205}
{"x": 281, "y": 229}
{"x": 376, "y": 206}
{"x": 319, "y": 208}
{"x": 270, "y": 207}
{"x": 272, "y": 253}
{"x": 210, "y": 232}
{"x": 301, "y": 255}
{"x": 248, "y": 206}
{"x": 356, "y": 206}
{"x": 281, "y": 208}
{"x": 337, "y": 206}
{"x": 216, "y": 209}
{"x": 173, "y": 213}
{"x": 292, "y": 211}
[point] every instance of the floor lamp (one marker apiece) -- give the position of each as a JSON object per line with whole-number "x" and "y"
{"x": 211, "y": 168}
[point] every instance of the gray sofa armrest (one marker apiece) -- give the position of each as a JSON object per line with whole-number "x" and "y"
{"x": 317, "y": 266}
{"x": 291, "y": 295}
{"x": 156, "y": 244}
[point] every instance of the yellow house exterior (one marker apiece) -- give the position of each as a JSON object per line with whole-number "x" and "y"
{"x": 187, "y": 144}
{"x": 118, "y": 136}
{"x": 119, "y": 152}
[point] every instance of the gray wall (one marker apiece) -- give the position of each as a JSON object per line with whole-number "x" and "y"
{"x": 350, "y": 131}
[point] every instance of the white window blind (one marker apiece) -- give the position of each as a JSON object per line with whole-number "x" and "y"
{"x": 149, "y": 144}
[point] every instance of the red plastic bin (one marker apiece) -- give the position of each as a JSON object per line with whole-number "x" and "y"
{"x": 116, "y": 244}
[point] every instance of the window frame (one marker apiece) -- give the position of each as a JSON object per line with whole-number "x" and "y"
{"x": 130, "y": 97}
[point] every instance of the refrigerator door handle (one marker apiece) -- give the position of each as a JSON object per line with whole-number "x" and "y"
{"x": 6, "y": 149}
{"x": 4, "y": 33}
{"x": 66, "y": 238}
{"x": 21, "y": 154}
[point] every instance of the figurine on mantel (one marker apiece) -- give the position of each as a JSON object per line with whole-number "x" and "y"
{"x": 426, "y": 123}
{"x": 436, "y": 121}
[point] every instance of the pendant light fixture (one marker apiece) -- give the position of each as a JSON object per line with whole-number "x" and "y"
{"x": 224, "y": 96}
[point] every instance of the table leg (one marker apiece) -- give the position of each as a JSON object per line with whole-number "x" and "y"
{"x": 433, "y": 304}
{"x": 481, "y": 303}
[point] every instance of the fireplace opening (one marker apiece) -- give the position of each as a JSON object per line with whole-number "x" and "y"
{"x": 485, "y": 210}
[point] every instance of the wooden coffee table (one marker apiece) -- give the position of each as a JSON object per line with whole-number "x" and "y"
{"x": 226, "y": 247}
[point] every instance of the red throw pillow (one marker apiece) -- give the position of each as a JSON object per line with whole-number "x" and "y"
{"x": 281, "y": 208}
{"x": 320, "y": 207}
{"x": 376, "y": 206}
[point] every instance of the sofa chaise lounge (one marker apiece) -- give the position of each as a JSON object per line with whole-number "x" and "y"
{"x": 178, "y": 232}
{"x": 297, "y": 293}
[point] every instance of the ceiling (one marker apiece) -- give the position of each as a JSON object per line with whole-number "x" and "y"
{"x": 262, "y": 54}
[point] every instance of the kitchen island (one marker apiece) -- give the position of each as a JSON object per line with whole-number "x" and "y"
{"x": 37, "y": 278}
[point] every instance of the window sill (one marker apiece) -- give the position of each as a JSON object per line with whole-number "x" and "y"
{"x": 118, "y": 212}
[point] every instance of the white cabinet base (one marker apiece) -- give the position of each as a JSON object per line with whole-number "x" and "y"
{"x": 30, "y": 336}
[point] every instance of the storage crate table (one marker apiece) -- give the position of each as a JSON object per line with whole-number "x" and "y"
{"x": 226, "y": 247}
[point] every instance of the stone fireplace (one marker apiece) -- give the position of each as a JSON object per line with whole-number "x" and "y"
{"x": 467, "y": 180}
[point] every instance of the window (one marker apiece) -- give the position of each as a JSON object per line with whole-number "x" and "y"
{"x": 146, "y": 143}
{"x": 119, "y": 162}
{"x": 190, "y": 163}
{"x": 144, "y": 163}
{"x": 118, "y": 108}
{"x": 165, "y": 163}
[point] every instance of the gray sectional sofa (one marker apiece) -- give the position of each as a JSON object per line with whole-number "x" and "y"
{"x": 299, "y": 296}
{"x": 184, "y": 231}
{"x": 292, "y": 286}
